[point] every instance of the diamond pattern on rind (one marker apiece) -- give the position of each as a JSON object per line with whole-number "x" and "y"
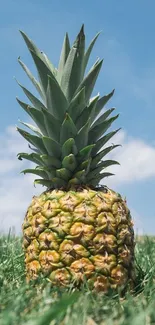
{"x": 78, "y": 235}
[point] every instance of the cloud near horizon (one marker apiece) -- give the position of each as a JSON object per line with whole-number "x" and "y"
{"x": 136, "y": 159}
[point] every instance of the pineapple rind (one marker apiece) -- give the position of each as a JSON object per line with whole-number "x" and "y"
{"x": 77, "y": 235}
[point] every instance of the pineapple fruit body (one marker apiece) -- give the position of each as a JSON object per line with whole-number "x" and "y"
{"x": 77, "y": 235}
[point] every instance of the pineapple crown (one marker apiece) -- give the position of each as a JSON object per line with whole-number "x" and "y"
{"x": 68, "y": 137}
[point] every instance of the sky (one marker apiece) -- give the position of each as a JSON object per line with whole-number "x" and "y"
{"x": 127, "y": 44}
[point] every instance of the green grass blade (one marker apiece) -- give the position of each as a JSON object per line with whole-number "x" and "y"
{"x": 58, "y": 308}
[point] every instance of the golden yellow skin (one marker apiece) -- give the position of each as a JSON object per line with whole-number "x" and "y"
{"x": 77, "y": 235}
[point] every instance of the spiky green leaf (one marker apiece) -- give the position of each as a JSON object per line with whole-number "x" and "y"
{"x": 87, "y": 113}
{"x": 50, "y": 184}
{"x": 56, "y": 101}
{"x": 92, "y": 107}
{"x": 77, "y": 104}
{"x": 89, "y": 81}
{"x": 102, "y": 141}
{"x": 74, "y": 181}
{"x": 100, "y": 129}
{"x": 81, "y": 139}
{"x": 102, "y": 102}
{"x": 95, "y": 173}
{"x": 69, "y": 162}
{"x": 32, "y": 47}
{"x": 52, "y": 125}
{"x": 85, "y": 165}
{"x": 51, "y": 161}
{"x": 89, "y": 49}
{"x": 38, "y": 172}
{"x": 33, "y": 139}
{"x": 50, "y": 171}
{"x": 49, "y": 64}
{"x": 43, "y": 182}
{"x": 34, "y": 157}
{"x": 36, "y": 115}
{"x": 63, "y": 57}
{"x": 102, "y": 154}
{"x": 68, "y": 129}
{"x": 73, "y": 70}
{"x": 95, "y": 181}
{"x": 31, "y": 77}
{"x": 43, "y": 71}
{"x": 80, "y": 175}
{"x": 85, "y": 152}
{"x": 34, "y": 100}
{"x": 103, "y": 117}
{"x": 34, "y": 149}
{"x": 53, "y": 148}
{"x": 103, "y": 164}
{"x": 55, "y": 182}
{"x": 63, "y": 173}
{"x": 68, "y": 147}
{"x": 32, "y": 128}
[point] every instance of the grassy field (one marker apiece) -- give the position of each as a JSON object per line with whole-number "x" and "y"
{"x": 40, "y": 304}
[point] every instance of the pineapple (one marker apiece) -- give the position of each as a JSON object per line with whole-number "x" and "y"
{"x": 76, "y": 230}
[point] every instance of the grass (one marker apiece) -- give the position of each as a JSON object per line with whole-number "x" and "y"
{"x": 40, "y": 304}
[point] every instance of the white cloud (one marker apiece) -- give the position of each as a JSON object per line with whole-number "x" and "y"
{"x": 16, "y": 190}
{"x": 136, "y": 159}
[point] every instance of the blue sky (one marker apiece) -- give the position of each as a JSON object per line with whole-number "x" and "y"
{"x": 127, "y": 45}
